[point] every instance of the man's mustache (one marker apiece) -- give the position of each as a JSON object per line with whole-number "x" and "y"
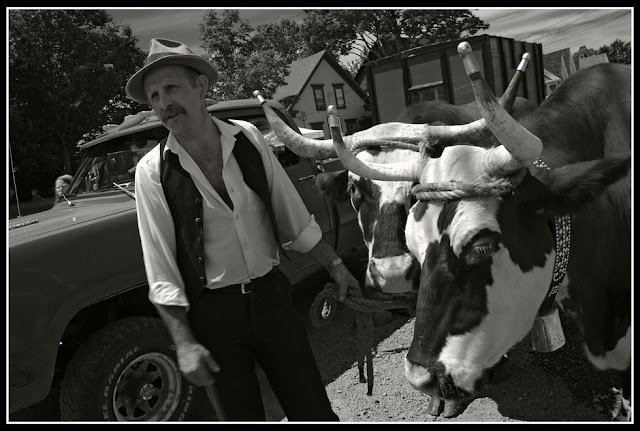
{"x": 172, "y": 110}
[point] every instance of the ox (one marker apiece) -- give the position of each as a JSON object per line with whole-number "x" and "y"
{"x": 483, "y": 229}
{"x": 383, "y": 206}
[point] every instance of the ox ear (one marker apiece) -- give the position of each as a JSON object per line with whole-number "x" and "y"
{"x": 333, "y": 185}
{"x": 569, "y": 187}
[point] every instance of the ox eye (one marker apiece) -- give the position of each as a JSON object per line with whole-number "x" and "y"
{"x": 482, "y": 249}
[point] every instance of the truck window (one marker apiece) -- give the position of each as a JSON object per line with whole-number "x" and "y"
{"x": 114, "y": 161}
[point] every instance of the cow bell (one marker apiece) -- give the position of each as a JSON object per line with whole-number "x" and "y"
{"x": 547, "y": 333}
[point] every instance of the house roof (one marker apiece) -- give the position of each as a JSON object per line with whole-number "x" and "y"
{"x": 552, "y": 60}
{"x": 301, "y": 71}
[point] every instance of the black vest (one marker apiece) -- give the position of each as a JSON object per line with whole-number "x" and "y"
{"x": 185, "y": 204}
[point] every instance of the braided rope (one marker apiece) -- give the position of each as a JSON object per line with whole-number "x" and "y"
{"x": 456, "y": 190}
{"x": 323, "y": 310}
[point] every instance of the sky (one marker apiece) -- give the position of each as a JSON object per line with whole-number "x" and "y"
{"x": 554, "y": 28}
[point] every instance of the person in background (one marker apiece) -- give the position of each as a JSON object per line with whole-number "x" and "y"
{"x": 214, "y": 210}
{"x": 60, "y": 187}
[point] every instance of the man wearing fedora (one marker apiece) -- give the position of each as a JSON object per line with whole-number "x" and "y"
{"x": 216, "y": 212}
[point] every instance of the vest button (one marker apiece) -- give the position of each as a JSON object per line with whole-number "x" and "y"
{"x": 203, "y": 281}
{"x": 198, "y": 219}
{"x": 198, "y": 200}
{"x": 200, "y": 259}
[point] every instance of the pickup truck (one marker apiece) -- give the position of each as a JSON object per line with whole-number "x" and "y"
{"x": 80, "y": 321}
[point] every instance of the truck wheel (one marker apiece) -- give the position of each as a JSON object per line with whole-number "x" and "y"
{"x": 128, "y": 371}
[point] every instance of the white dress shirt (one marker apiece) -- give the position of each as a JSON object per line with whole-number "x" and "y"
{"x": 239, "y": 243}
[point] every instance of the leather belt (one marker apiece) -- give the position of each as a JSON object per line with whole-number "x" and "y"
{"x": 244, "y": 288}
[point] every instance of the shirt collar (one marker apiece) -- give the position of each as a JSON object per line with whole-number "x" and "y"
{"x": 227, "y": 131}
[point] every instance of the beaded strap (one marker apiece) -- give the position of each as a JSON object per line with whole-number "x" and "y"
{"x": 562, "y": 235}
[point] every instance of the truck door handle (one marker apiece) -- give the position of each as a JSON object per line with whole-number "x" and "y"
{"x": 307, "y": 178}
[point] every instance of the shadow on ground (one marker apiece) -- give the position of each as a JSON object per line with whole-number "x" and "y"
{"x": 555, "y": 386}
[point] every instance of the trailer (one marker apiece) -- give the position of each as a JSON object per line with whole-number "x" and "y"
{"x": 436, "y": 72}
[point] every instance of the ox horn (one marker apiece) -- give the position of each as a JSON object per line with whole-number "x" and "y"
{"x": 519, "y": 146}
{"x": 409, "y": 170}
{"x": 302, "y": 146}
{"x": 509, "y": 96}
{"x": 395, "y": 134}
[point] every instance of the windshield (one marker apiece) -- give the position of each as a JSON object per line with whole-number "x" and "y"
{"x": 114, "y": 160}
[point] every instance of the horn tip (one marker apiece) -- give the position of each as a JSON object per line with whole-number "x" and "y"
{"x": 464, "y": 48}
{"x": 331, "y": 110}
{"x": 258, "y": 95}
{"x": 526, "y": 56}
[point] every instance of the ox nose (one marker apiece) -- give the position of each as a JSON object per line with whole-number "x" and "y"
{"x": 392, "y": 274}
{"x": 424, "y": 379}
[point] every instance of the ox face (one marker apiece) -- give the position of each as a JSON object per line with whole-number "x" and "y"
{"x": 478, "y": 295}
{"x": 382, "y": 207}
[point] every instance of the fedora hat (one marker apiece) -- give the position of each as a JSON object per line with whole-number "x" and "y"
{"x": 164, "y": 52}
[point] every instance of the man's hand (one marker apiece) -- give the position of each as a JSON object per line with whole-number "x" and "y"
{"x": 344, "y": 279}
{"x": 197, "y": 364}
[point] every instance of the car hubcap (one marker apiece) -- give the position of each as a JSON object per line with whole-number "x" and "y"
{"x": 148, "y": 389}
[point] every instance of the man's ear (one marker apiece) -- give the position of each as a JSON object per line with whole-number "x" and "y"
{"x": 203, "y": 84}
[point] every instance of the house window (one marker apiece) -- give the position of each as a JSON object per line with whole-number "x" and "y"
{"x": 339, "y": 92}
{"x": 351, "y": 126}
{"x": 318, "y": 95}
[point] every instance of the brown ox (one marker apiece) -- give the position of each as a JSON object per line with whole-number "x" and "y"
{"x": 482, "y": 230}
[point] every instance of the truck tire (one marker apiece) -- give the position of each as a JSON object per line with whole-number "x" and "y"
{"x": 128, "y": 371}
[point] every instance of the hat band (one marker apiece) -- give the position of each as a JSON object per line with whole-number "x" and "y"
{"x": 153, "y": 57}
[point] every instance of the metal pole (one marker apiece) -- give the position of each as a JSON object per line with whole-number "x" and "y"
{"x": 13, "y": 174}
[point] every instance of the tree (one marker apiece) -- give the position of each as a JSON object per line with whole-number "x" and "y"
{"x": 373, "y": 34}
{"x": 67, "y": 72}
{"x": 247, "y": 59}
{"x": 284, "y": 37}
{"x": 617, "y": 52}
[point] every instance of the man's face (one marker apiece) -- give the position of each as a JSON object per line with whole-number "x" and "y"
{"x": 175, "y": 101}
{"x": 60, "y": 186}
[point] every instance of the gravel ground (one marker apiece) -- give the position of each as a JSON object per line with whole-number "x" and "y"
{"x": 556, "y": 387}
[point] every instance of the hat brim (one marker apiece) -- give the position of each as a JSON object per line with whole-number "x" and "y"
{"x": 135, "y": 89}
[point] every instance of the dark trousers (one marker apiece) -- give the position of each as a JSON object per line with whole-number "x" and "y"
{"x": 263, "y": 327}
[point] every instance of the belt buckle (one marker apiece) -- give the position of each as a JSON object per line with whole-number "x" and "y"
{"x": 245, "y": 288}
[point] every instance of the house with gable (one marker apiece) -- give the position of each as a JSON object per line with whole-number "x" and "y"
{"x": 314, "y": 83}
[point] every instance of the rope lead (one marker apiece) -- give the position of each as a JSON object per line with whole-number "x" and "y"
{"x": 324, "y": 308}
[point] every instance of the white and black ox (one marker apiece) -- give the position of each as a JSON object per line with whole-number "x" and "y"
{"x": 483, "y": 229}
{"x": 383, "y": 206}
